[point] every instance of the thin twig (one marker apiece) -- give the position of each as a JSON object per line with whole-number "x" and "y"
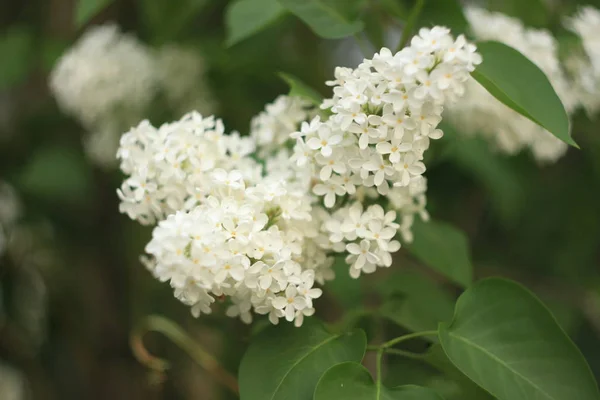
{"x": 176, "y": 334}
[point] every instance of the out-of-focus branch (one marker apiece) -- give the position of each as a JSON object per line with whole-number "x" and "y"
{"x": 178, "y": 336}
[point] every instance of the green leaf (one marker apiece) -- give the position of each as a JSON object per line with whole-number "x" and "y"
{"x": 323, "y": 18}
{"x": 352, "y": 381}
{"x": 301, "y": 89}
{"x": 244, "y": 18}
{"x": 87, "y": 9}
{"x": 518, "y": 83}
{"x": 448, "y": 13}
{"x": 505, "y": 340}
{"x": 285, "y": 362}
{"x": 16, "y": 47}
{"x": 443, "y": 248}
{"x": 415, "y": 302}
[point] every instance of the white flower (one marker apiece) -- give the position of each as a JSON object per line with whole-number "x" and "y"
{"x": 362, "y": 253}
{"x": 290, "y": 303}
{"x": 325, "y": 140}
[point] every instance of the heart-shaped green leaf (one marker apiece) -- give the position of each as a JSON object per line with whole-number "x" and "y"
{"x": 505, "y": 340}
{"x": 285, "y": 362}
{"x": 352, "y": 381}
{"x": 518, "y": 83}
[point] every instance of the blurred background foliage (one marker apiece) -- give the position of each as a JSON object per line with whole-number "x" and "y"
{"x": 74, "y": 288}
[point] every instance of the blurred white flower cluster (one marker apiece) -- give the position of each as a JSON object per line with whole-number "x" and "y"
{"x": 585, "y": 68}
{"x": 480, "y": 113}
{"x": 108, "y": 79}
{"x": 10, "y": 211}
{"x": 247, "y": 219}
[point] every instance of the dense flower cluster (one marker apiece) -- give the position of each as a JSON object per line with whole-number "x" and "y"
{"x": 384, "y": 114}
{"x": 234, "y": 245}
{"x": 585, "y": 68}
{"x": 262, "y": 233}
{"x": 168, "y": 167}
{"x": 108, "y": 79}
{"x": 271, "y": 128}
{"x": 480, "y": 113}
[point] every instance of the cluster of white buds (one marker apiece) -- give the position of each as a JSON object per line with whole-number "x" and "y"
{"x": 256, "y": 232}
{"x": 585, "y": 68}
{"x": 384, "y": 114}
{"x": 479, "y": 113}
{"x": 168, "y": 167}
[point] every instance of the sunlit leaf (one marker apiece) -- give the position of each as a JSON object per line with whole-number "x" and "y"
{"x": 504, "y": 339}
{"x": 518, "y": 83}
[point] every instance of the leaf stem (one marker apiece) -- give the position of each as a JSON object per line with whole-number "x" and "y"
{"x": 378, "y": 372}
{"x": 410, "y": 23}
{"x": 175, "y": 333}
{"x": 400, "y": 339}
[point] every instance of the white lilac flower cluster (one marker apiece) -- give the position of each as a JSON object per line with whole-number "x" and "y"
{"x": 168, "y": 167}
{"x": 585, "y": 68}
{"x": 479, "y": 113}
{"x": 271, "y": 128}
{"x": 384, "y": 114}
{"x": 261, "y": 234}
{"x": 108, "y": 79}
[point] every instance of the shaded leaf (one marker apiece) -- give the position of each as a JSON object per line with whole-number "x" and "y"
{"x": 504, "y": 339}
{"x": 301, "y": 89}
{"x": 87, "y": 9}
{"x": 323, "y": 18}
{"x": 285, "y": 362}
{"x": 244, "y": 18}
{"x": 415, "y": 302}
{"x": 518, "y": 83}
{"x": 443, "y": 248}
{"x": 448, "y": 13}
{"x": 352, "y": 381}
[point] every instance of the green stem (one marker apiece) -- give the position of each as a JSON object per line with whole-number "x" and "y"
{"x": 400, "y": 339}
{"x": 174, "y": 332}
{"x": 404, "y": 353}
{"x": 409, "y": 26}
{"x": 378, "y": 371}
